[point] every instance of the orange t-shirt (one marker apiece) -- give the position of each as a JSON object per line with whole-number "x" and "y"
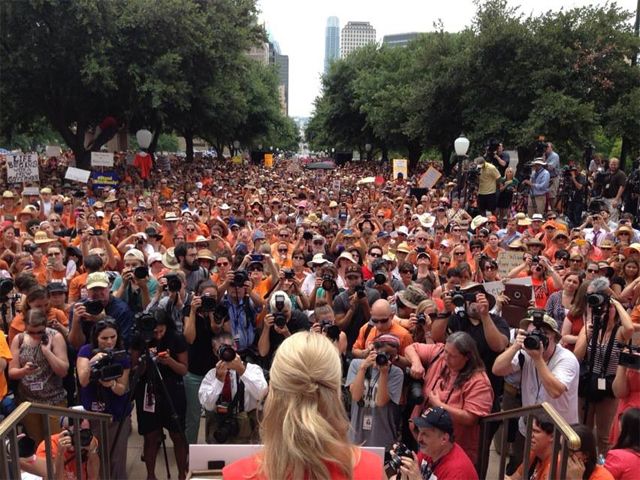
{"x": 403, "y": 335}
{"x": 17, "y": 324}
{"x": 69, "y": 457}
{"x": 76, "y": 285}
{"x": 55, "y": 275}
{"x": 369, "y": 467}
{"x": 5, "y": 352}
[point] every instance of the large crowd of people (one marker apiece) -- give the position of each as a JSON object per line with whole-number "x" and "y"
{"x": 181, "y": 294}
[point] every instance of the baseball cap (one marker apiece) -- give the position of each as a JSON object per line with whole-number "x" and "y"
{"x": 154, "y": 257}
{"x": 258, "y": 235}
{"x": 54, "y": 287}
{"x": 98, "y": 279}
{"x": 135, "y": 254}
{"x": 437, "y": 418}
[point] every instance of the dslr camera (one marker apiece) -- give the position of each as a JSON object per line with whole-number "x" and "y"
{"x": 144, "y": 325}
{"x": 141, "y": 272}
{"x": 279, "y": 317}
{"x": 421, "y": 319}
{"x": 359, "y": 289}
{"x": 174, "y": 283}
{"x": 382, "y": 358}
{"x": 380, "y": 277}
{"x": 226, "y": 353}
{"x": 392, "y": 467}
{"x": 328, "y": 283}
{"x": 330, "y": 330}
{"x": 208, "y": 304}
{"x": 629, "y": 355}
{"x": 239, "y": 278}
{"x": 107, "y": 369}
{"x": 536, "y": 337}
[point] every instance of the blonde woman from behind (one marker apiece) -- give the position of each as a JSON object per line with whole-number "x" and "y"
{"x": 305, "y": 427}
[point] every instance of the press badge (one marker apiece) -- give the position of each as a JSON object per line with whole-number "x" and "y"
{"x": 602, "y": 384}
{"x": 149, "y": 400}
{"x": 367, "y": 422}
{"x": 36, "y": 386}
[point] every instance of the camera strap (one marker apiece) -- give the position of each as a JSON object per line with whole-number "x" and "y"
{"x": 238, "y": 399}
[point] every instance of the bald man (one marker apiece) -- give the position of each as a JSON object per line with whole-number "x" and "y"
{"x": 380, "y": 323}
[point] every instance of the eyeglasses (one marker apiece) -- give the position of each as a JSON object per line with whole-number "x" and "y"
{"x": 464, "y": 241}
{"x": 283, "y": 250}
{"x": 283, "y": 235}
{"x": 591, "y": 270}
{"x": 490, "y": 267}
{"x": 575, "y": 260}
{"x": 476, "y": 247}
{"x": 54, "y": 254}
{"x": 459, "y": 253}
{"x": 105, "y": 323}
{"x": 443, "y": 263}
{"x": 375, "y": 255}
{"x": 421, "y": 239}
{"x": 406, "y": 271}
{"x": 298, "y": 257}
{"x": 222, "y": 264}
{"x": 379, "y": 320}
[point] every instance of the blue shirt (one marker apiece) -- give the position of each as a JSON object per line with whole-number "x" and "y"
{"x": 244, "y": 329}
{"x": 553, "y": 164}
{"x": 120, "y": 312}
{"x": 540, "y": 182}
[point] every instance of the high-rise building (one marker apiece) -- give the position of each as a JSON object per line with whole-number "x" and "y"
{"x": 399, "y": 39}
{"x": 282, "y": 62}
{"x": 331, "y": 42}
{"x": 355, "y": 35}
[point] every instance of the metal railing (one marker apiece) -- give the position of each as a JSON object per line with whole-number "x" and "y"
{"x": 564, "y": 438}
{"x": 9, "y": 460}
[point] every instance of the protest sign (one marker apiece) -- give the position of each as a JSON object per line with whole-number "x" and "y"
{"x": 335, "y": 186}
{"x": 400, "y": 165}
{"x": 268, "y": 160}
{"x": 104, "y": 179}
{"x": 102, "y": 159}
{"x": 53, "y": 151}
{"x": 494, "y": 288}
{"x": 429, "y": 178}
{"x": 22, "y": 167}
{"x": 507, "y": 261}
{"x": 77, "y": 174}
{"x": 30, "y": 191}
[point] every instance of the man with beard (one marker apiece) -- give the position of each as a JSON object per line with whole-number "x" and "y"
{"x": 187, "y": 255}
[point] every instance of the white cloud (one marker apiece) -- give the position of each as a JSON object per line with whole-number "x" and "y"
{"x": 298, "y": 26}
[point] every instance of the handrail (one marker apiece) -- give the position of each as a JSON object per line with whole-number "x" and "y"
{"x": 563, "y": 436}
{"x": 571, "y": 436}
{"x": 8, "y": 430}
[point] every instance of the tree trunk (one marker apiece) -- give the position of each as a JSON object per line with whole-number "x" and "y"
{"x": 624, "y": 150}
{"x": 188, "y": 138}
{"x": 154, "y": 141}
{"x": 413, "y": 152}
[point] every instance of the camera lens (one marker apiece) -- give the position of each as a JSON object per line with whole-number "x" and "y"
{"x": 141, "y": 272}
{"x": 382, "y": 359}
{"x": 226, "y": 353}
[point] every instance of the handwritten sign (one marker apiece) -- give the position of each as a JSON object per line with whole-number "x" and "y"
{"x": 494, "y": 288}
{"x": 507, "y": 261}
{"x": 400, "y": 165}
{"x": 22, "y": 168}
{"x": 430, "y": 178}
{"x": 53, "y": 151}
{"x": 102, "y": 159}
{"x": 30, "y": 191}
{"x": 77, "y": 175}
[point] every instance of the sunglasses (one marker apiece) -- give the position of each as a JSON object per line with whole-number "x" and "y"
{"x": 575, "y": 260}
{"x": 283, "y": 250}
{"x": 222, "y": 264}
{"x": 379, "y": 320}
{"x": 444, "y": 263}
{"x": 459, "y": 253}
{"x": 298, "y": 257}
{"x": 406, "y": 271}
{"x": 591, "y": 270}
{"x": 376, "y": 255}
{"x": 490, "y": 267}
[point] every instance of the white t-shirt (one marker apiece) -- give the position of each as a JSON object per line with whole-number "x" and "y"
{"x": 565, "y": 367}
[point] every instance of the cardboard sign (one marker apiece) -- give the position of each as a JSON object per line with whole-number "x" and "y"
{"x": 507, "y": 261}
{"x": 53, "y": 151}
{"x": 30, "y": 191}
{"x": 102, "y": 159}
{"x": 268, "y": 160}
{"x": 494, "y": 288}
{"x": 430, "y": 178}
{"x": 400, "y": 165}
{"x": 77, "y": 175}
{"x": 22, "y": 168}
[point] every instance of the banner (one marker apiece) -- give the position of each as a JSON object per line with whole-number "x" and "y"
{"x": 507, "y": 261}
{"x": 77, "y": 174}
{"x": 400, "y": 165}
{"x": 268, "y": 160}
{"x": 102, "y": 159}
{"x": 105, "y": 179}
{"x": 430, "y": 178}
{"x": 22, "y": 167}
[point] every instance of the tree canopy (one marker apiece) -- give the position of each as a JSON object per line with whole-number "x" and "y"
{"x": 564, "y": 75}
{"x": 166, "y": 65}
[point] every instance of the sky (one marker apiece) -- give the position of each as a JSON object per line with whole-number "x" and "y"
{"x": 299, "y": 27}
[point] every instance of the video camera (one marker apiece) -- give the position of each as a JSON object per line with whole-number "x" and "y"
{"x": 106, "y": 368}
{"x": 536, "y": 337}
{"x": 174, "y": 282}
{"x": 598, "y": 303}
{"x": 629, "y": 355}
{"x": 144, "y": 325}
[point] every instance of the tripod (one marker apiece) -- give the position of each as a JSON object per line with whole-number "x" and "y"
{"x": 148, "y": 363}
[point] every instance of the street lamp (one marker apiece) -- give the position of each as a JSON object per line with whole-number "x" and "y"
{"x": 461, "y": 145}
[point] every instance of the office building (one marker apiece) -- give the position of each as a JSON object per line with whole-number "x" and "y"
{"x": 331, "y": 42}
{"x": 399, "y": 39}
{"x": 355, "y": 35}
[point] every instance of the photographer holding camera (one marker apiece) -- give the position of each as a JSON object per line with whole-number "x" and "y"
{"x": 598, "y": 348}
{"x": 550, "y": 372}
{"x": 134, "y": 285}
{"x": 168, "y": 349}
{"x": 99, "y": 304}
{"x": 281, "y": 323}
{"x": 375, "y": 384}
{"x": 487, "y": 186}
{"x": 172, "y": 297}
{"x": 230, "y": 393}
{"x": 206, "y": 319}
{"x": 614, "y": 188}
{"x": 352, "y": 307}
{"x": 103, "y": 374}
{"x": 440, "y": 457}
{"x": 576, "y": 185}
{"x": 324, "y": 323}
